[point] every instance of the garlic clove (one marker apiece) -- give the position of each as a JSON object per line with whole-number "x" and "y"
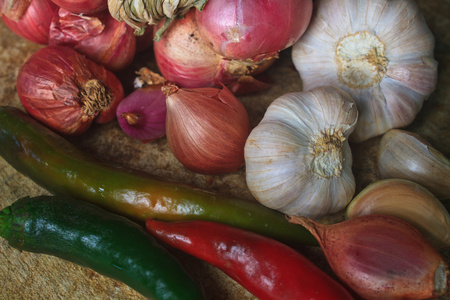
{"x": 408, "y": 201}
{"x": 297, "y": 158}
{"x": 406, "y": 155}
{"x": 380, "y": 52}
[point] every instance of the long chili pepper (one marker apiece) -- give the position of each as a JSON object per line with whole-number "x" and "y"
{"x": 265, "y": 267}
{"x": 61, "y": 168}
{"x": 86, "y": 234}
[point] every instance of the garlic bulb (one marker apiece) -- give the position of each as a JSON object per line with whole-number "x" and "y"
{"x": 406, "y": 155}
{"x": 408, "y": 201}
{"x": 298, "y": 160}
{"x": 379, "y": 51}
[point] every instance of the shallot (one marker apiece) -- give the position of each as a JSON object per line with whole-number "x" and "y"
{"x": 186, "y": 59}
{"x": 66, "y": 91}
{"x": 142, "y": 114}
{"x": 253, "y": 29}
{"x": 86, "y": 7}
{"x": 381, "y": 257}
{"x": 206, "y": 128}
{"x": 98, "y": 36}
{"x": 31, "y": 20}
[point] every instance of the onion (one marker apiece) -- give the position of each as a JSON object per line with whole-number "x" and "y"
{"x": 34, "y": 23}
{"x": 184, "y": 58}
{"x": 206, "y": 128}
{"x": 142, "y": 114}
{"x": 381, "y": 257}
{"x": 99, "y": 36}
{"x": 253, "y": 29}
{"x": 86, "y": 7}
{"x": 66, "y": 91}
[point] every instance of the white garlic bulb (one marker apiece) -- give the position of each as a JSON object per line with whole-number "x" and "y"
{"x": 298, "y": 160}
{"x": 379, "y": 51}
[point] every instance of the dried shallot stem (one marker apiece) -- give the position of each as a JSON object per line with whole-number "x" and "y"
{"x": 95, "y": 97}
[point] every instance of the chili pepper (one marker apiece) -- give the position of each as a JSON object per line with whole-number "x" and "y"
{"x": 112, "y": 245}
{"x": 265, "y": 267}
{"x": 61, "y": 168}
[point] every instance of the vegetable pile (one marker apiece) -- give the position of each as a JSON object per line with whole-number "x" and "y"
{"x": 363, "y": 76}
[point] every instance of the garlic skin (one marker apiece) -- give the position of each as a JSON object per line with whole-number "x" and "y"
{"x": 379, "y": 51}
{"x": 298, "y": 160}
{"x": 406, "y": 155}
{"x": 408, "y": 201}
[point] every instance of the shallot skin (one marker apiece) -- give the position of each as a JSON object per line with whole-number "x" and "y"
{"x": 34, "y": 24}
{"x": 253, "y": 29}
{"x": 148, "y": 107}
{"x": 87, "y": 7}
{"x": 381, "y": 257}
{"x": 185, "y": 58}
{"x": 99, "y": 37}
{"x": 50, "y": 84}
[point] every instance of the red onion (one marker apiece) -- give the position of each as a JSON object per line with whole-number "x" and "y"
{"x": 142, "y": 114}
{"x": 185, "y": 59}
{"x": 34, "y": 23}
{"x": 206, "y": 128}
{"x": 381, "y": 257}
{"x": 66, "y": 91}
{"x": 99, "y": 36}
{"x": 86, "y": 7}
{"x": 253, "y": 29}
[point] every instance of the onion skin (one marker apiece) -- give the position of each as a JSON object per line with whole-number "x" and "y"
{"x": 87, "y": 7}
{"x": 13, "y": 9}
{"x": 253, "y": 29}
{"x": 381, "y": 257}
{"x": 206, "y": 128}
{"x": 98, "y": 36}
{"x": 50, "y": 84}
{"x": 185, "y": 59}
{"x": 147, "y": 108}
{"x": 34, "y": 23}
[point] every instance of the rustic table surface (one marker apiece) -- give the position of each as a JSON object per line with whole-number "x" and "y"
{"x": 25, "y": 275}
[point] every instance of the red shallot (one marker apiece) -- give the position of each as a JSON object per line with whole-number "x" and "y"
{"x": 98, "y": 36}
{"x": 13, "y": 9}
{"x": 184, "y": 58}
{"x": 66, "y": 91}
{"x": 33, "y": 23}
{"x": 86, "y": 7}
{"x": 381, "y": 257}
{"x": 142, "y": 114}
{"x": 206, "y": 128}
{"x": 253, "y": 29}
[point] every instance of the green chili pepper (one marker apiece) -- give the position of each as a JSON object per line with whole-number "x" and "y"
{"x": 88, "y": 235}
{"x": 58, "y": 166}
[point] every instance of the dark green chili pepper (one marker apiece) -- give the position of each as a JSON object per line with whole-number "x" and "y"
{"x": 58, "y": 166}
{"x": 88, "y": 235}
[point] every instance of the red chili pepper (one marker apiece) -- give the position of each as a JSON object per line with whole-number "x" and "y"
{"x": 265, "y": 267}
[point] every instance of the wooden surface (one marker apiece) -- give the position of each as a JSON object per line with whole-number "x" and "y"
{"x": 26, "y": 275}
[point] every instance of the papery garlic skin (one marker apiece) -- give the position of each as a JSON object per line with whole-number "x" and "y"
{"x": 406, "y": 155}
{"x": 379, "y": 51}
{"x": 298, "y": 160}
